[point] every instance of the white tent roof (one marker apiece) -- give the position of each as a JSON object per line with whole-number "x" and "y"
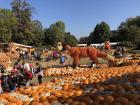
{"x": 23, "y": 45}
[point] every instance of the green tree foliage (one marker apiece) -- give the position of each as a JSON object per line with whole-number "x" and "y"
{"x": 8, "y": 23}
{"x": 60, "y": 25}
{"x": 95, "y": 36}
{"x": 114, "y": 36}
{"x": 70, "y": 39}
{"x": 38, "y": 35}
{"x": 100, "y": 34}
{"x": 133, "y": 21}
{"x": 129, "y": 31}
{"x": 55, "y": 33}
{"x": 17, "y": 25}
{"x": 83, "y": 40}
{"x": 22, "y": 11}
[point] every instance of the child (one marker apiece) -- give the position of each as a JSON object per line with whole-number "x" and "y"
{"x": 62, "y": 59}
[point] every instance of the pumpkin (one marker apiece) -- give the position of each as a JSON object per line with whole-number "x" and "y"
{"x": 105, "y": 104}
{"x": 65, "y": 87}
{"x": 69, "y": 100}
{"x": 78, "y": 93}
{"x": 40, "y": 103}
{"x": 36, "y": 98}
{"x": 122, "y": 100}
{"x": 12, "y": 104}
{"x": 34, "y": 102}
{"x": 45, "y": 103}
{"x": 133, "y": 96}
{"x": 86, "y": 81}
{"x": 52, "y": 97}
{"x": 43, "y": 98}
{"x": 10, "y": 98}
{"x": 96, "y": 103}
{"x": 99, "y": 99}
{"x": 65, "y": 96}
{"x": 87, "y": 100}
{"x": 116, "y": 103}
{"x": 57, "y": 94}
{"x": 83, "y": 103}
{"x": 76, "y": 103}
{"x": 108, "y": 99}
{"x": 26, "y": 102}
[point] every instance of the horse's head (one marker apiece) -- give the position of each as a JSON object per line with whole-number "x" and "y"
{"x": 59, "y": 46}
{"x": 65, "y": 47}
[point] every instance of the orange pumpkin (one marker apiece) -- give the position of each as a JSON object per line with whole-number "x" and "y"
{"x": 86, "y": 81}
{"x": 122, "y": 100}
{"x": 99, "y": 99}
{"x": 69, "y": 100}
{"x": 108, "y": 99}
{"x": 12, "y": 104}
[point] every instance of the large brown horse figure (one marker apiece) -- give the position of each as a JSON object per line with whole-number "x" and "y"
{"x": 78, "y": 52}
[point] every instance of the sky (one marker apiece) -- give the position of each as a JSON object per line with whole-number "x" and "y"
{"x": 81, "y": 16}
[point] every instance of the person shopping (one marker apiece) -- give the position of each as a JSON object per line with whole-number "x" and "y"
{"x": 39, "y": 72}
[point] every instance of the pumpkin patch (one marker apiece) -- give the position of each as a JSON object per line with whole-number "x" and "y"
{"x": 86, "y": 86}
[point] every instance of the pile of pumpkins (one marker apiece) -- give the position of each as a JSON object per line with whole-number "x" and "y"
{"x": 68, "y": 70}
{"x": 85, "y": 86}
{"x": 5, "y": 60}
{"x": 58, "y": 71}
{"x": 128, "y": 60}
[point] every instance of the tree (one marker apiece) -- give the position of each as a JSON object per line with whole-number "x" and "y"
{"x": 133, "y": 21}
{"x": 100, "y": 34}
{"x": 105, "y": 31}
{"x": 70, "y": 39}
{"x": 55, "y": 33}
{"x": 95, "y": 36}
{"x": 8, "y": 23}
{"x": 83, "y": 40}
{"x": 37, "y": 30}
{"x": 114, "y": 36}
{"x": 60, "y": 25}
{"x": 130, "y": 29}
{"x": 22, "y": 11}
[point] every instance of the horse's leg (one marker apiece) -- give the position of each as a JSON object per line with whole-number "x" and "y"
{"x": 93, "y": 57}
{"x": 76, "y": 60}
{"x": 94, "y": 60}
